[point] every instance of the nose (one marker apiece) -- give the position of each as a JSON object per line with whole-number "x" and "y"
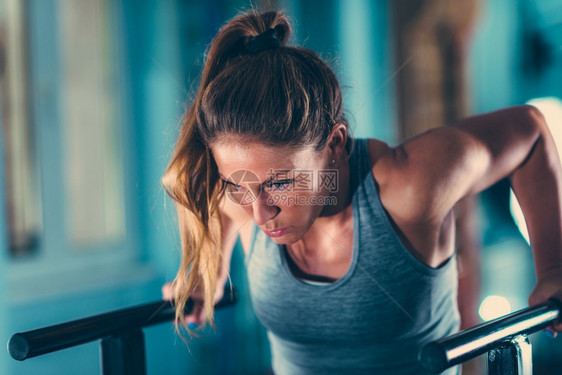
{"x": 262, "y": 210}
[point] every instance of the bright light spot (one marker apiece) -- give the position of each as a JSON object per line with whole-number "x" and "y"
{"x": 551, "y": 108}
{"x": 493, "y": 307}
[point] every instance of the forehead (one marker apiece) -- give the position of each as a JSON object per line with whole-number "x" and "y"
{"x": 261, "y": 159}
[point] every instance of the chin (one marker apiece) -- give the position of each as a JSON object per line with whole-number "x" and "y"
{"x": 286, "y": 240}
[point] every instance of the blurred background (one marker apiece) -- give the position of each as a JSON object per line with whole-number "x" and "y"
{"x": 91, "y": 96}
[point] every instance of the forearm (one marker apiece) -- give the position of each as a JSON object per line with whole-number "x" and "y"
{"x": 537, "y": 184}
{"x": 224, "y": 270}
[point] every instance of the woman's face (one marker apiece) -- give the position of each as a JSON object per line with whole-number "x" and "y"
{"x": 283, "y": 189}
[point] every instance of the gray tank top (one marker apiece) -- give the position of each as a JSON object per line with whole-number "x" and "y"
{"x": 375, "y": 318}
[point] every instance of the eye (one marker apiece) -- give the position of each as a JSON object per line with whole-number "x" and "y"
{"x": 281, "y": 185}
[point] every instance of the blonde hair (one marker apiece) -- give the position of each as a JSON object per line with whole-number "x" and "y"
{"x": 278, "y": 95}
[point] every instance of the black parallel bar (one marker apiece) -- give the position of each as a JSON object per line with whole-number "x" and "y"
{"x": 41, "y": 341}
{"x": 123, "y": 354}
{"x": 466, "y": 345}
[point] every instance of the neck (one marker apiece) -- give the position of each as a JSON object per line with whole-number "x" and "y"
{"x": 342, "y": 196}
{"x": 332, "y": 218}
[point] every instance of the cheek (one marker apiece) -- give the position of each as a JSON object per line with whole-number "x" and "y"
{"x": 301, "y": 207}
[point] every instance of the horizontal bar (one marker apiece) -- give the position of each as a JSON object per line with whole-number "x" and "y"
{"x": 466, "y": 345}
{"x": 41, "y": 341}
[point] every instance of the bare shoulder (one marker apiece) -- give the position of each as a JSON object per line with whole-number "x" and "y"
{"x": 421, "y": 179}
{"x": 235, "y": 222}
{"x": 384, "y": 161}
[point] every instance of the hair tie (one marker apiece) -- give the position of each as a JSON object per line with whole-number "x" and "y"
{"x": 269, "y": 39}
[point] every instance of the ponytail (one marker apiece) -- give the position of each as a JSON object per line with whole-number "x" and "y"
{"x": 191, "y": 178}
{"x": 255, "y": 86}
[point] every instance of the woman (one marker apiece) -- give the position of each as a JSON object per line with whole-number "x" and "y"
{"x": 349, "y": 243}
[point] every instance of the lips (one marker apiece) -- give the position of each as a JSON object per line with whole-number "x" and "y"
{"x": 276, "y": 232}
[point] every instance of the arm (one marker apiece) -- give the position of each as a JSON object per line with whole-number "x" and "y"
{"x": 442, "y": 166}
{"x": 537, "y": 182}
{"x": 233, "y": 218}
{"x": 445, "y": 164}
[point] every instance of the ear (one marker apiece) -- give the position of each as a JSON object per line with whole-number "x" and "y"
{"x": 337, "y": 141}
